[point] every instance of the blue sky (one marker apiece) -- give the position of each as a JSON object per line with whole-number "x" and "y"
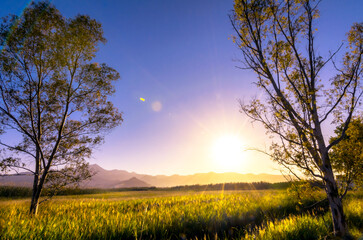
{"x": 177, "y": 55}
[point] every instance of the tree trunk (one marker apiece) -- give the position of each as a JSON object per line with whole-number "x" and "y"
{"x": 35, "y": 200}
{"x": 34, "y": 204}
{"x": 336, "y": 206}
{"x": 37, "y": 192}
{"x": 335, "y": 202}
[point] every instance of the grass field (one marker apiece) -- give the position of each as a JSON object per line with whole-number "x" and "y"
{"x": 270, "y": 214}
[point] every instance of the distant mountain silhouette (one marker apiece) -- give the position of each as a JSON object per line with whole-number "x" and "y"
{"x": 17, "y": 180}
{"x": 109, "y": 178}
{"x": 132, "y": 182}
{"x": 122, "y": 179}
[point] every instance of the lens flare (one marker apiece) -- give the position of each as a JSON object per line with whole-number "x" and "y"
{"x": 156, "y": 106}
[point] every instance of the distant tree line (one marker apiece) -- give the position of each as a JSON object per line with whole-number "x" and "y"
{"x": 15, "y": 191}
{"x": 233, "y": 186}
{"x": 24, "y": 192}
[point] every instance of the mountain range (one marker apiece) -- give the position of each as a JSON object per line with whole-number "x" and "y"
{"x": 123, "y": 179}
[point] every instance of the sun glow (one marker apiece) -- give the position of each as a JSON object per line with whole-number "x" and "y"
{"x": 228, "y": 152}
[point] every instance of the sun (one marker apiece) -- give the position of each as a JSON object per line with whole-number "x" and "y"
{"x": 227, "y": 151}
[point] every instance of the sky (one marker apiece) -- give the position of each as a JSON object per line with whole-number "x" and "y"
{"x": 178, "y": 56}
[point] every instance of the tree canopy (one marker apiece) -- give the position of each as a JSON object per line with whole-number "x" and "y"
{"x": 277, "y": 41}
{"x": 53, "y": 99}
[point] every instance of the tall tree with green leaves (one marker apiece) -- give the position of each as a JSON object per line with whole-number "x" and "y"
{"x": 277, "y": 41}
{"x": 53, "y": 99}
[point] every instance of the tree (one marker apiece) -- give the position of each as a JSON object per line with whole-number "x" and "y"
{"x": 276, "y": 39}
{"x": 347, "y": 156}
{"x": 53, "y": 99}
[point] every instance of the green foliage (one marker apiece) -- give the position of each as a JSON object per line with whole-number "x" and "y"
{"x": 305, "y": 227}
{"x": 304, "y": 189}
{"x": 14, "y": 192}
{"x": 347, "y": 155}
{"x": 312, "y": 226}
{"x": 172, "y": 215}
{"x": 355, "y": 213}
